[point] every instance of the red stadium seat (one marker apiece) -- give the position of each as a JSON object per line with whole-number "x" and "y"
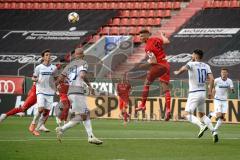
{"x": 152, "y": 5}
{"x": 141, "y": 22}
{"x": 81, "y": 5}
{"x": 225, "y": 4}
{"x": 129, "y": 5}
{"x": 168, "y": 5}
{"x": 176, "y": 5}
{"x": 133, "y": 22}
{"x": 105, "y": 5}
{"x": 59, "y": 5}
{"x": 150, "y": 22}
{"x": 216, "y": 4}
{"x": 144, "y": 5}
{"x": 234, "y": 4}
{"x": 160, "y": 5}
{"x": 207, "y": 4}
{"x": 95, "y": 38}
{"x": 125, "y": 13}
{"x": 123, "y": 31}
{"x": 143, "y": 13}
{"x": 114, "y": 31}
{"x": 151, "y": 13}
{"x": 124, "y": 21}
{"x": 112, "y": 5}
{"x": 120, "y": 5}
{"x": 132, "y": 30}
{"x": 115, "y": 22}
{"x": 137, "y": 5}
{"x": 159, "y": 13}
{"x": 157, "y": 21}
{"x": 105, "y": 31}
{"x": 134, "y": 13}
{"x": 167, "y": 13}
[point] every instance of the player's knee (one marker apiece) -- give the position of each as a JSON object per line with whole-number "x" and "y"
{"x": 84, "y": 117}
{"x": 219, "y": 116}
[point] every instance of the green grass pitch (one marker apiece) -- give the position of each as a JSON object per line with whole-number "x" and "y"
{"x": 139, "y": 140}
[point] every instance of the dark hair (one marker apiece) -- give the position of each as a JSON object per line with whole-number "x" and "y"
{"x": 144, "y": 31}
{"x": 45, "y": 51}
{"x": 224, "y": 69}
{"x": 199, "y": 53}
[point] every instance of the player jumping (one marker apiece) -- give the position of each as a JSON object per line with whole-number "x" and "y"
{"x": 159, "y": 68}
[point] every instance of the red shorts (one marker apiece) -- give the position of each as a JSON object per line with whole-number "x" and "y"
{"x": 161, "y": 71}
{"x": 122, "y": 103}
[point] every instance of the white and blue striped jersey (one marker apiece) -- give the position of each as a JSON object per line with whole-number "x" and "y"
{"x": 45, "y": 74}
{"x": 197, "y": 72}
{"x": 222, "y": 87}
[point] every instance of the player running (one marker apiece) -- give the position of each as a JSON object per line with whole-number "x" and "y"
{"x": 76, "y": 73}
{"x": 221, "y": 87}
{"x": 159, "y": 68}
{"x": 44, "y": 75}
{"x": 29, "y": 102}
{"x": 198, "y": 73}
{"x": 123, "y": 90}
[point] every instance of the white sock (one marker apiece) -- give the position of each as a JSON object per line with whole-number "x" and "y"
{"x": 88, "y": 127}
{"x": 213, "y": 114}
{"x": 193, "y": 119}
{"x": 41, "y": 121}
{"x": 218, "y": 124}
{"x": 70, "y": 124}
{"x": 35, "y": 118}
{"x": 208, "y": 122}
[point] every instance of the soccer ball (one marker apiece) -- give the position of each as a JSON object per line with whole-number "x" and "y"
{"x": 73, "y": 17}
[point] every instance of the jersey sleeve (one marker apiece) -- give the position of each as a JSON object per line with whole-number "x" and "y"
{"x": 189, "y": 65}
{"x": 36, "y": 72}
{"x": 65, "y": 70}
{"x": 231, "y": 84}
{"x": 55, "y": 71}
{"x": 209, "y": 70}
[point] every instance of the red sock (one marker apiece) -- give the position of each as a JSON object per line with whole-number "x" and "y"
{"x": 66, "y": 106}
{"x": 145, "y": 94}
{"x": 167, "y": 100}
{"x": 125, "y": 116}
{"x": 14, "y": 111}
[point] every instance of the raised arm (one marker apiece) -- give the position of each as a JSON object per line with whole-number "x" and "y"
{"x": 181, "y": 70}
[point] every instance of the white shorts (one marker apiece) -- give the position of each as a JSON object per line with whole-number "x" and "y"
{"x": 44, "y": 101}
{"x": 79, "y": 103}
{"x": 220, "y": 106}
{"x": 196, "y": 100}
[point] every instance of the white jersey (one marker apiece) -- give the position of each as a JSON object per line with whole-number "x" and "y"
{"x": 45, "y": 74}
{"x": 197, "y": 72}
{"x": 221, "y": 88}
{"x": 72, "y": 71}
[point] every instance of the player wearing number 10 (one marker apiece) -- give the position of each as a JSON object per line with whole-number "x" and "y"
{"x": 198, "y": 73}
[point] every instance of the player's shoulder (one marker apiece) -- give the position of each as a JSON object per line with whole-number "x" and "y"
{"x": 218, "y": 79}
{"x": 229, "y": 80}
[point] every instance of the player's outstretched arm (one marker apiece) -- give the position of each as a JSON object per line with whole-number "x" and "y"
{"x": 164, "y": 38}
{"x": 181, "y": 70}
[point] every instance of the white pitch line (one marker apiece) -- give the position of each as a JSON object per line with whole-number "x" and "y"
{"x": 84, "y": 139}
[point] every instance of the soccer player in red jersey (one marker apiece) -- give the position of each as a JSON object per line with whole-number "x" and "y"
{"x": 159, "y": 68}
{"x": 29, "y": 102}
{"x": 123, "y": 90}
